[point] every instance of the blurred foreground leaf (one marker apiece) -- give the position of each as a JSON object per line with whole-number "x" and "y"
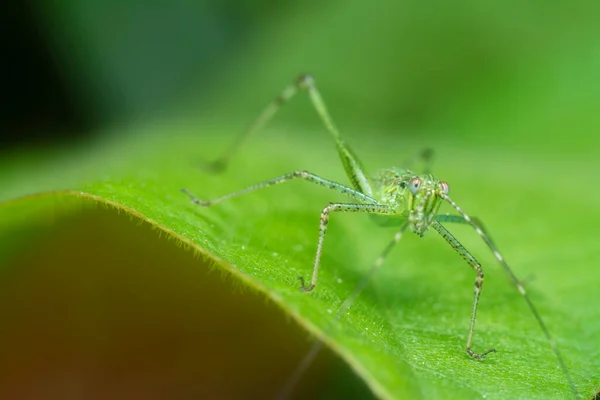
{"x": 405, "y": 335}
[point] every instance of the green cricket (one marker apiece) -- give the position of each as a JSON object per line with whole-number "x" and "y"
{"x": 392, "y": 196}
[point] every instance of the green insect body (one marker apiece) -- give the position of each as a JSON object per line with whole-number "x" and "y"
{"x": 393, "y": 196}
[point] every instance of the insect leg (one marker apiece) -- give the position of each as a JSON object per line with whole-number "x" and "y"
{"x": 460, "y": 249}
{"x": 477, "y": 221}
{"x": 265, "y": 116}
{"x": 520, "y": 288}
{"x": 459, "y": 219}
{"x": 304, "y": 175}
{"x": 339, "y": 207}
{"x": 352, "y": 165}
{"x": 318, "y": 345}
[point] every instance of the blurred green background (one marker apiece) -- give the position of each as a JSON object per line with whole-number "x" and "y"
{"x": 518, "y": 76}
{"x": 495, "y": 73}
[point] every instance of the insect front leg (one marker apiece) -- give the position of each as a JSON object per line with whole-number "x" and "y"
{"x": 460, "y": 249}
{"x": 324, "y": 221}
{"x": 318, "y": 345}
{"x": 520, "y": 288}
{"x": 459, "y": 219}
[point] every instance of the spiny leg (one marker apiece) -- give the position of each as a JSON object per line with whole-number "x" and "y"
{"x": 318, "y": 345}
{"x": 477, "y": 221}
{"x": 373, "y": 207}
{"x": 304, "y": 175}
{"x": 352, "y": 165}
{"x": 339, "y": 207}
{"x": 460, "y": 249}
{"x": 459, "y": 219}
{"x": 521, "y": 290}
{"x": 265, "y": 116}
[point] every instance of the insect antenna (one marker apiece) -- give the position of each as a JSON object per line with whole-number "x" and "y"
{"x": 521, "y": 290}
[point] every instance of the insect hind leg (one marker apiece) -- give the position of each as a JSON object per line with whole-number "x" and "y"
{"x": 221, "y": 163}
{"x": 305, "y": 82}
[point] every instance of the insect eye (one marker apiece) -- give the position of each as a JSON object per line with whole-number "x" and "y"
{"x": 444, "y": 187}
{"x": 414, "y": 184}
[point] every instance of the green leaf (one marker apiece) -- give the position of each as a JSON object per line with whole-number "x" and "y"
{"x": 406, "y": 333}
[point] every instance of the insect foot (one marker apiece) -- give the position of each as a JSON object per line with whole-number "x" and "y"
{"x": 196, "y": 200}
{"x": 304, "y": 287}
{"x": 477, "y": 356}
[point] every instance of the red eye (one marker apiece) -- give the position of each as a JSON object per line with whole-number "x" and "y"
{"x": 415, "y": 184}
{"x": 444, "y": 187}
